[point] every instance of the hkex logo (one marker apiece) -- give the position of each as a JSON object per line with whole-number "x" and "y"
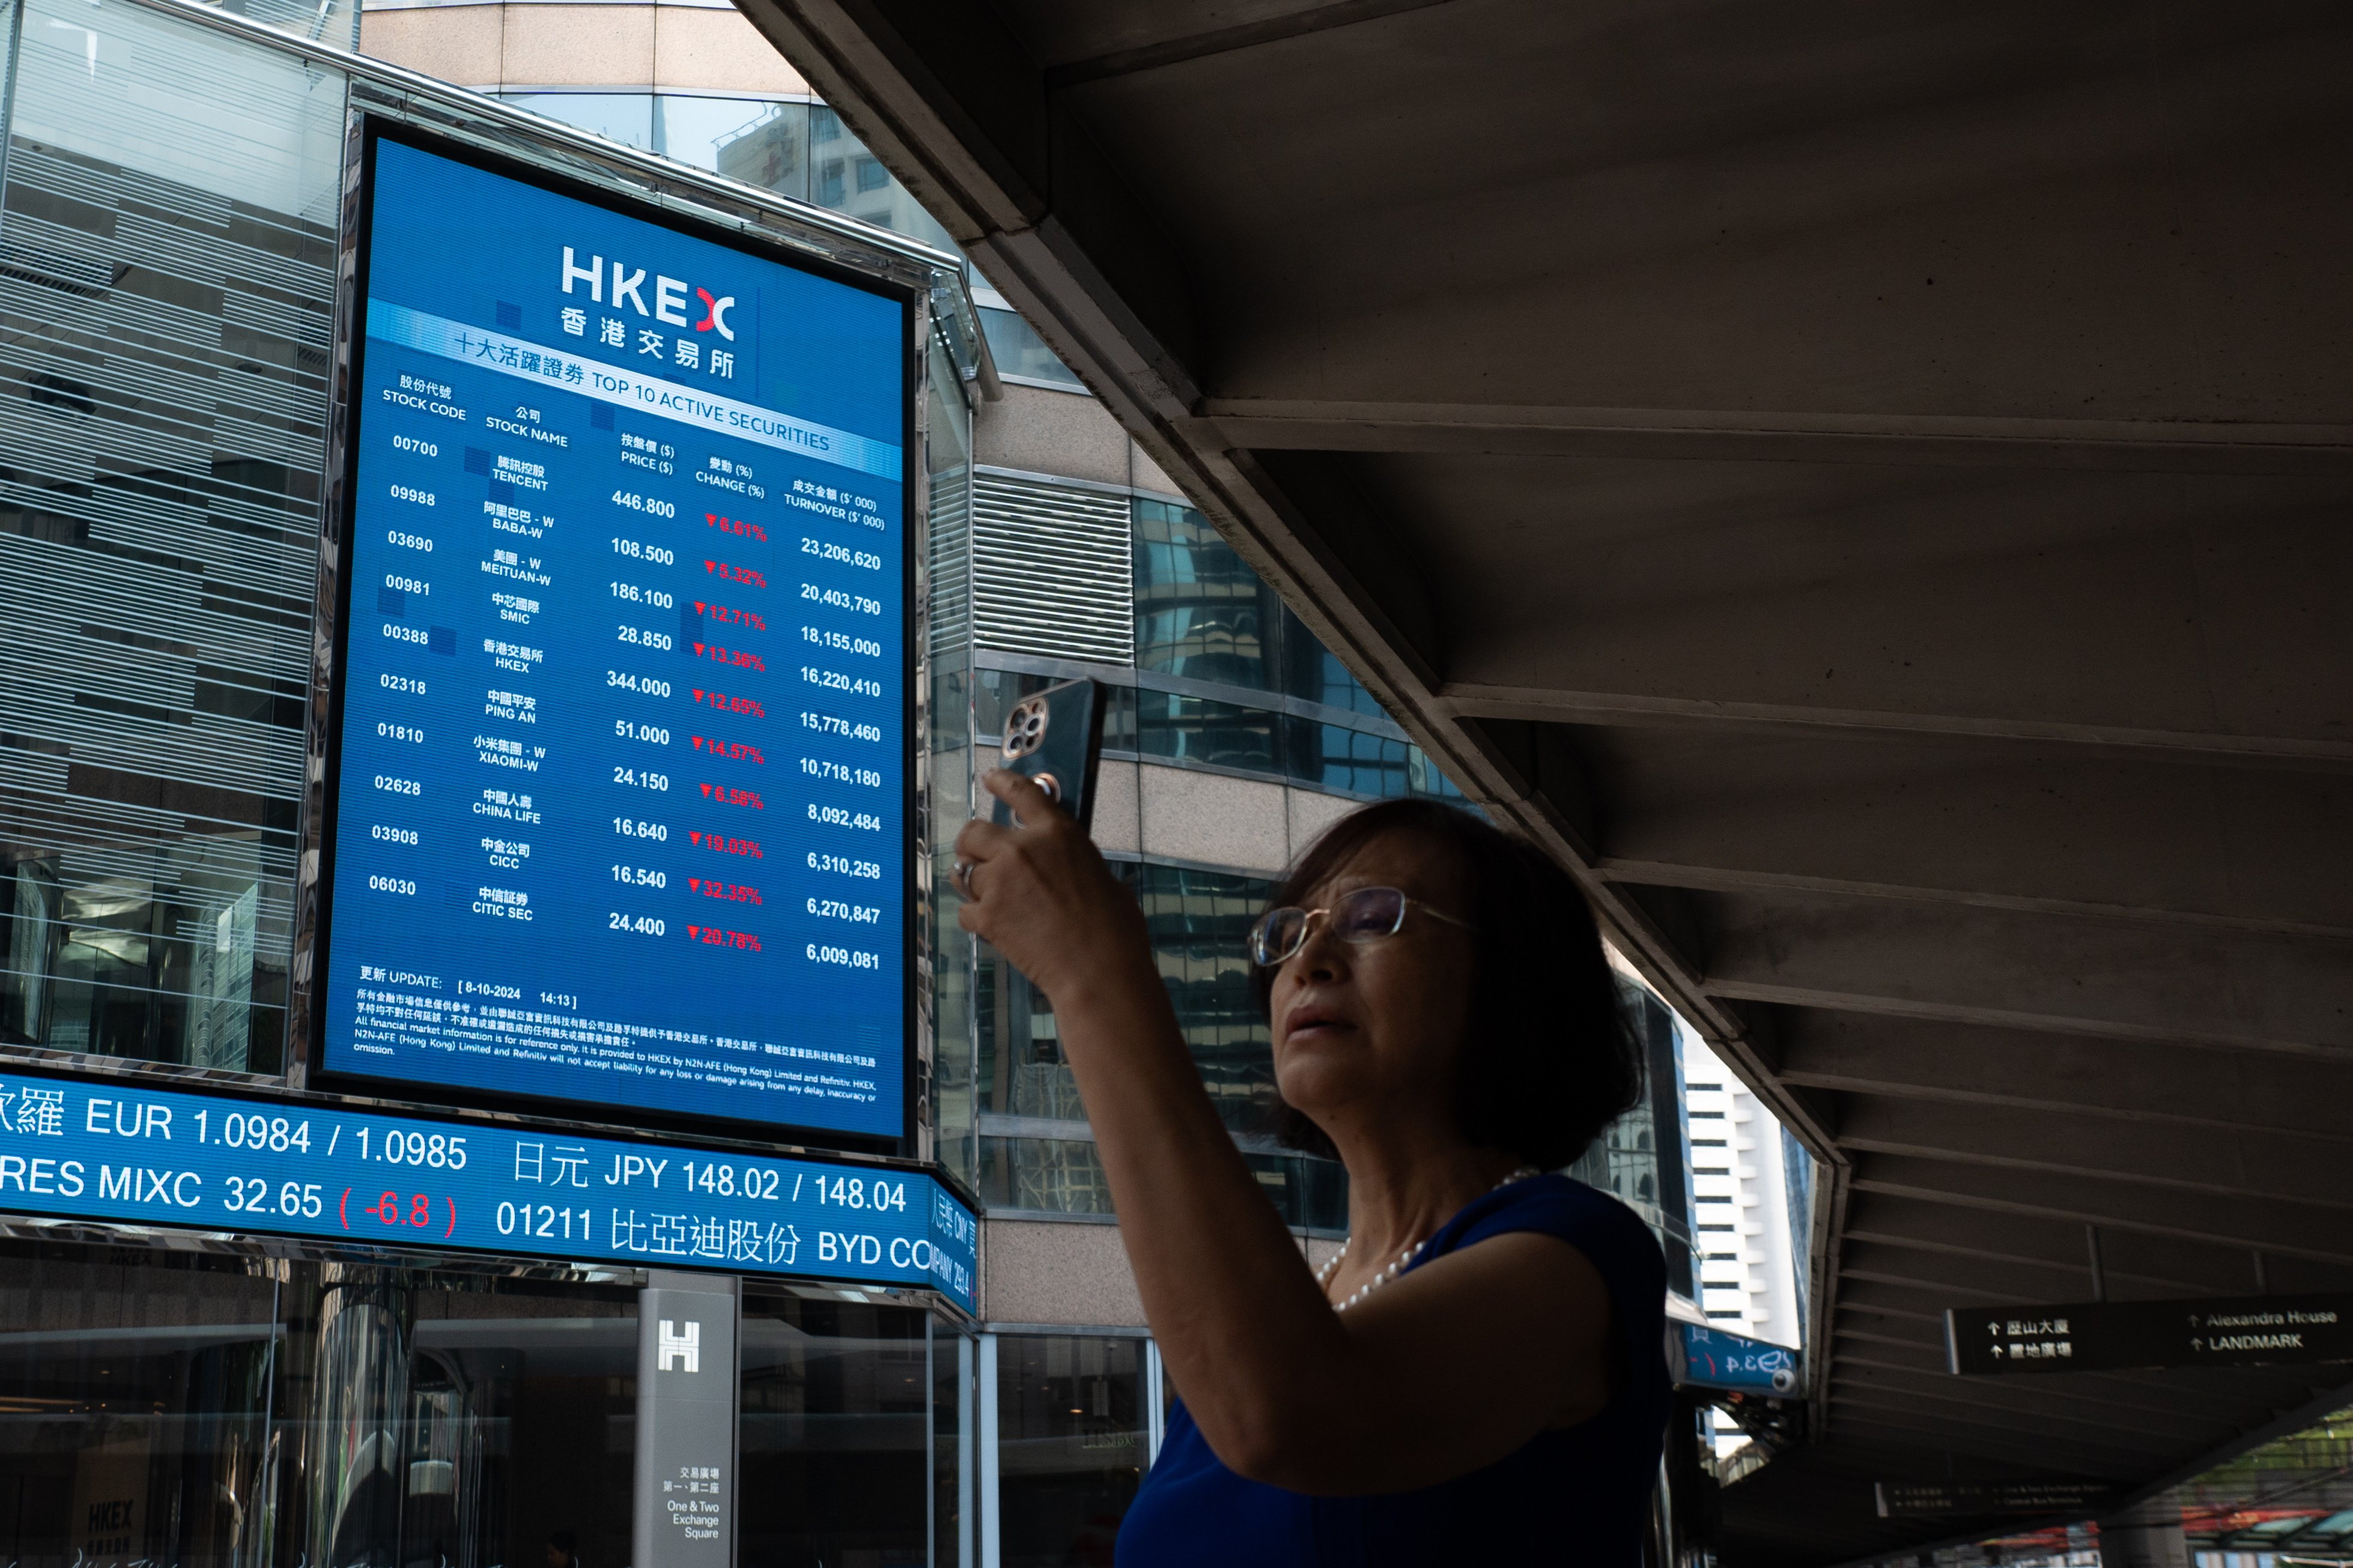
{"x": 611, "y": 286}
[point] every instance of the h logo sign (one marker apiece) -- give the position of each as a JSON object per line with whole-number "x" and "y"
{"x": 676, "y": 1352}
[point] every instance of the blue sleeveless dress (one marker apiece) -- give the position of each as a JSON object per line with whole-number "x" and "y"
{"x": 1579, "y": 1494}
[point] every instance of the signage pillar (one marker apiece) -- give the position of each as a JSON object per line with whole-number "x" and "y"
{"x": 687, "y": 1383}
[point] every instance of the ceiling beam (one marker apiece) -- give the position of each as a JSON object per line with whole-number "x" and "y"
{"x": 1160, "y": 53}
{"x": 2189, "y": 446}
{"x": 2184, "y": 1088}
{"x": 2232, "y": 1162}
{"x": 2118, "y": 978}
{"x": 1568, "y": 705}
{"x": 2294, "y": 1230}
{"x": 2030, "y": 827}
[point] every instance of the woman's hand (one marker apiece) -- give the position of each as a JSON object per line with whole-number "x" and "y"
{"x": 1041, "y": 894}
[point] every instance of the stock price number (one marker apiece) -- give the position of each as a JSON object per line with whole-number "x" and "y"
{"x": 398, "y": 1146}
{"x": 630, "y": 827}
{"x": 254, "y": 1131}
{"x": 726, "y": 1181}
{"x": 857, "y": 1192}
{"x": 252, "y": 1195}
{"x": 640, "y": 925}
{"x": 639, "y": 877}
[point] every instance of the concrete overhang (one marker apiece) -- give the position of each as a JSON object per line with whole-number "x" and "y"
{"x": 1866, "y": 485}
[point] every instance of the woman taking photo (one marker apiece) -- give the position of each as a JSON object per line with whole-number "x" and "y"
{"x": 1479, "y": 1376}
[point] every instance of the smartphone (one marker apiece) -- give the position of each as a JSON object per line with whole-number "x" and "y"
{"x": 1054, "y": 738}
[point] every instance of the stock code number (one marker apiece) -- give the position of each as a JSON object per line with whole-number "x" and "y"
{"x": 392, "y": 785}
{"x": 401, "y": 683}
{"x": 392, "y": 835}
{"x": 400, "y": 884}
{"x": 411, "y": 493}
{"x": 250, "y": 1195}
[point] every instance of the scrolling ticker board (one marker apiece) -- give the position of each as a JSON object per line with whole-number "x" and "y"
{"x": 2112, "y": 1336}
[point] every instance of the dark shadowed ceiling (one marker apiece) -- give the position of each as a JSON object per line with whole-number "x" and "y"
{"x": 1871, "y": 486}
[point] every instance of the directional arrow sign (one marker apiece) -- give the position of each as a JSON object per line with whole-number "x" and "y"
{"x": 2106, "y": 1336}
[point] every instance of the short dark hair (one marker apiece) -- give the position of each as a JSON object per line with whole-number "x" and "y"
{"x": 1551, "y": 1060}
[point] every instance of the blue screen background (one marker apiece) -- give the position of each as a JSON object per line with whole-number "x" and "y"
{"x": 620, "y": 808}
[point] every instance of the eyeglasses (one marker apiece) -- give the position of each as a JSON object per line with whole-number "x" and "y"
{"x": 1364, "y": 915}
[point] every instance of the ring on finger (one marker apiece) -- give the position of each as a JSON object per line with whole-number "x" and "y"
{"x": 961, "y": 876}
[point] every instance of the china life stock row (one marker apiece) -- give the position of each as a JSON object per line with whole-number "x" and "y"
{"x": 622, "y": 774}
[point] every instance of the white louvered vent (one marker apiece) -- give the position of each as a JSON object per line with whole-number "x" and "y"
{"x": 951, "y": 591}
{"x": 1051, "y": 570}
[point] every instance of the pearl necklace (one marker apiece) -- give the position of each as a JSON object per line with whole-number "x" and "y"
{"x": 1403, "y": 1258}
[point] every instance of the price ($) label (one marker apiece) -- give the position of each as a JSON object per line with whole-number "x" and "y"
{"x": 74, "y": 1149}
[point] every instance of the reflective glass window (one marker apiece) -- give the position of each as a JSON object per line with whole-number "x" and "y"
{"x": 835, "y": 1435}
{"x": 1312, "y": 672}
{"x": 769, "y": 150}
{"x": 624, "y": 117}
{"x": 1071, "y": 1445}
{"x": 171, "y": 277}
{"x": 137, "y": 1401}
{"x": 1199, "y": 922}
{"x": 1200, "y": 730}
{"x": 1330, "y": 756}
{"x": 1018, "y": 350}
{"x": 1052, "y": 1175}
{"x": 1201, "y": 611}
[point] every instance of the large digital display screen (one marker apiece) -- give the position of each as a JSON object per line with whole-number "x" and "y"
{"x": 619, "y": 796}
{"x": 77, "y": 1149}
